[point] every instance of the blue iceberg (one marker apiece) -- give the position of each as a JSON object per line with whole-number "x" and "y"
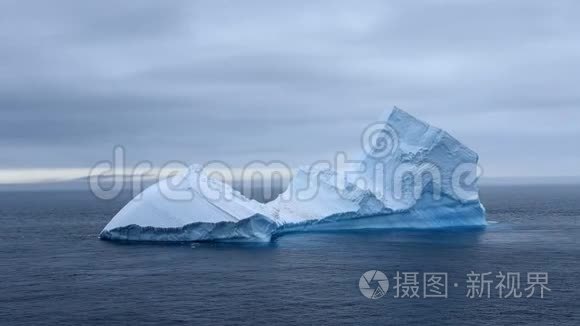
{"x": 411, "y": 176}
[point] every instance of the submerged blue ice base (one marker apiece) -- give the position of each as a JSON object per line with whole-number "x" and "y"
{"x": 427, "y": 214}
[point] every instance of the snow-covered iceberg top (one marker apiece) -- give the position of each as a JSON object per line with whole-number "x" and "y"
{"x": 411, "y": 175}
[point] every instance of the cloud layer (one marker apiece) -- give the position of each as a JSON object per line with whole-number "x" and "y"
{"x": 246, "y": 80}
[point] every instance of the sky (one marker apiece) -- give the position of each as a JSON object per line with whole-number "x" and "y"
{"x": 295, "y": 81}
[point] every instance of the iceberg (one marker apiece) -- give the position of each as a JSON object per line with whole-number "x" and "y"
{"x": 411, "y": 175}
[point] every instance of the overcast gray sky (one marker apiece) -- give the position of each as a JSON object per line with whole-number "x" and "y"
{"x": 293, "y": 80}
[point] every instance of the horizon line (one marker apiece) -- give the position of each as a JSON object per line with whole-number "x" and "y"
{"x": 44, "y": 176}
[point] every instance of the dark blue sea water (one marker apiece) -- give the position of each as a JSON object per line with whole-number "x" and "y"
{"x": 54, "y": 270}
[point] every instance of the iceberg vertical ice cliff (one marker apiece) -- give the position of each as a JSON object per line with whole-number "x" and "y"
{"x": 412, "y": 175}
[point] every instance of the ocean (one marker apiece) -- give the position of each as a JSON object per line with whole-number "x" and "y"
{"x": 55, "y": 270}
